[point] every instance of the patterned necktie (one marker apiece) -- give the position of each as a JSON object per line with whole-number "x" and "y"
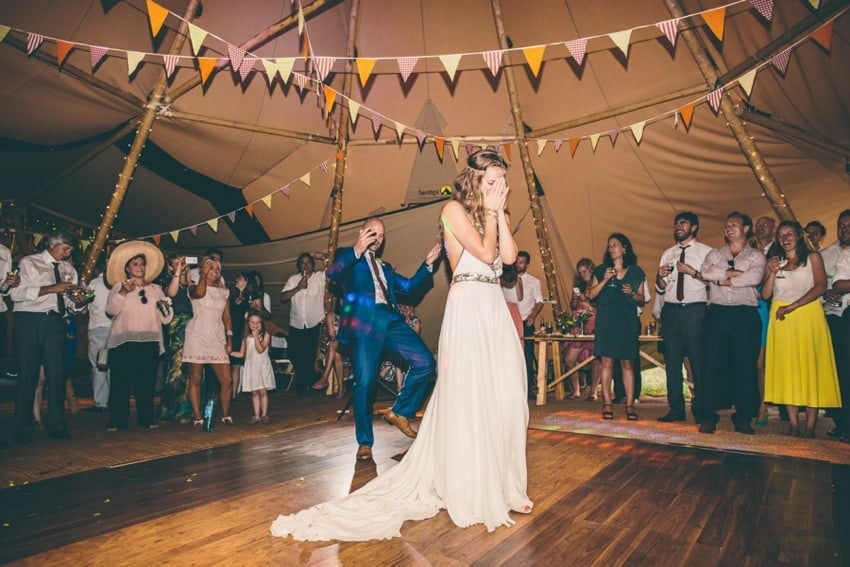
{"x": 58, "y": 279}
{"x": 680, "y": 281}
{"x": 377, "y": 271}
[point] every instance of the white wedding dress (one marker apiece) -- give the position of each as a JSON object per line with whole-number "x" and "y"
{"x": 469, "y": 455}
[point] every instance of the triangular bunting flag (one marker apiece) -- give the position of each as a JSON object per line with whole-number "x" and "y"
{"x": 33, "y": 41}
{"x": 246, "y": 67}
{"x": 353, "y": 110}
{"x": 399, "y": 130}
{"x": 196, "y": 36}
{"x": 376, "y": 124}
{"x": 714, "y": 98}
{"x": 573, "y": 145}
{"x": 284, "y": 67}
{"x": 577, "y": 49}
{"x": 249, "y": 209}
{"x": 364, "y": 69}
{"x": 613, "y": 134}
{"x": 541, "y": 145}
{"x": 271, "y": 69}
{"x": 420, "y": 137}
{"x": 676, "y": 119}
{"x": 157, "y": 15}
{"x": 170, "y": 63}
{"x": 493, "y": 60}
{"x": 236, "y": 55}
{"x": 558, "y": 143}
{"x": 637, "y": 131}
{"x": 300, "y": 80}
{"x": 306, "y": 46}
{"x": 97, "y": 53}
{"x": 406, "y": 65}
{"x": 4, "y": 31}
{"x": 63, "y": 48}
{"x": 746, "y": 81}
{"x": 194, "y": 230}
{"x": 534, "y": 57}
{"x": 330, "y": 97}
{"x": 232, "y": 216}
{"x": 439, "y": 143}
{"x": 324, "y": 166}
{"x": 670, "y": 28}
{"x": 594, "y": 139}
{"x": 621, "y": 40}
{"x": 213, "y": 224}
{"x": 815, "y": 4}
{"x": 781, "y": 60}
{"x": 687, "y": 113}
{"x": 323, "y": 65}
{"x": 508, "y": 151}
{"x": 133, "y": 60}
{"x": 286, "y": 190}
{"x": 305, "y": 179}
{"x": 205, "y": 67}
{"x": 450, "y": 62}
{"x": 716, "y": 21}
{"x": 174, "y": 235}
{"x": 456, "y": 148}
{"x": 300, "y": 20}
{"x": 267, "y": 201}
{"x": 157, "y": 238}
{"x": 764, "y": 7}
{"x": 823, "y": 35}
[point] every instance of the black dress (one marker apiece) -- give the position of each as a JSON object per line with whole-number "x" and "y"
{"x": 617, "y": 323}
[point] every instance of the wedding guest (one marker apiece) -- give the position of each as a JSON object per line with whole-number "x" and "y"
{"x": 512, "y": 289}
{"x": 816, "y": 233}
{"x": 99, "y": 325}
{"x": 239, "y": 307}
{"x": 584, "y": 317}
{"x": 306, "y": 292}
{"x": 529, "y": 308}
{"x": 174, "y": 404}
{"x": 836, "y": 263}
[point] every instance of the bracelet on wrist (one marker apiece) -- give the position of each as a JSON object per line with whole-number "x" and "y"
{"x": 229, "y": 333}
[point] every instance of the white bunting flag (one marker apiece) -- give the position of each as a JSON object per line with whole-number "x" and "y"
{"x": 133, "y": 60}
{"x": 450, "y": 62}
{"x": 746, "y": 81}
{"x": 637, "y": 131}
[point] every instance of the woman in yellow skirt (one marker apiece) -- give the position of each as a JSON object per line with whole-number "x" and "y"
{"x": 799, "y": 363}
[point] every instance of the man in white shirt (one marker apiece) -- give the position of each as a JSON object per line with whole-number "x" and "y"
{"x": 41, "y": 301}
{"x": 836, "y": 262}
{"x": 529, "y": 308}
{"x": 678, "y": 280}
{"x": 10, "y": 281}
{"x": 99, "y": 325}
{"x": 306, "y": 292}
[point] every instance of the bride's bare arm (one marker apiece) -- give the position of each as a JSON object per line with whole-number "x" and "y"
{"x": 507, "y": 244}
{"x": 458, "y": 226}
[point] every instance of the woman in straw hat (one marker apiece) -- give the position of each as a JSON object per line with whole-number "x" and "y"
{"x": 209, "y": 337}
{"x": 139, "y": 309}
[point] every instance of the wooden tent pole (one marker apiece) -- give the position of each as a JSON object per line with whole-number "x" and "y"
{"x": 142, "y": 133}
{"x": 728, "y": 103}
{"x": 342, "y": 143}
{"x": 171, "y": 113}
{"x": 528, "y": 170}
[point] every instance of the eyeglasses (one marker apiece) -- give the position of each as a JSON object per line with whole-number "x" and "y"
{"x": 142, "y": 297}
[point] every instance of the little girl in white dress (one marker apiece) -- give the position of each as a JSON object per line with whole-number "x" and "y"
{"x": 257, "y": 373}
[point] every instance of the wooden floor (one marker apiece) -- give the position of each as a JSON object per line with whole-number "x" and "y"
{"x": 597, "y": 501}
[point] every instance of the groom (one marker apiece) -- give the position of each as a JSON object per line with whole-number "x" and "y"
{"x": 371, "y": 322}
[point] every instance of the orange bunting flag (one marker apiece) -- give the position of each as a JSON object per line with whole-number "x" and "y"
{"x": 687, "y": 112}
{"x": 364, "y": 69}
{"x": 330, "y": 97}
{"x": 63, "y": 48}
{"x": 534, "y": 57}
{"x": 716, "y": 21}
{"x": 573, "y": 146}
{"x": 249, "y": 208}
{"x": 205, "y": 67}
{"x": 823, "y": 35}
{"x": 439, "y": 143}
{"x": 508, "y": 151}
{"x": 306, "y": 46}
{"x": 157, "y": 238}
{"x": 157, "y": 15}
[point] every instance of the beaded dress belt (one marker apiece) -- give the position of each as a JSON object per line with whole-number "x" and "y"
{"x": 475, "y": 278}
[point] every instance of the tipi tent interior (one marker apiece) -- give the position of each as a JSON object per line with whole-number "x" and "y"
{"x": 623, "y": 112}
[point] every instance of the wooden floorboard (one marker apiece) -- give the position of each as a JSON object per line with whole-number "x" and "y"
{"x": 598, "y": 501}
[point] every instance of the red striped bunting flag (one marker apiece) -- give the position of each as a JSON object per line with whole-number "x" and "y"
{"x": 33, "y": 41}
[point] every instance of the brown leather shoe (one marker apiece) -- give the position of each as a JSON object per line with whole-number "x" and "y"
{"x": 401, "y": 422}
{"x": 364, "y": 453}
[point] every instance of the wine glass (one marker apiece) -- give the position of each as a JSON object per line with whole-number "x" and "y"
{"x": 612, "y": 282}
{"x": 783, "y": 261}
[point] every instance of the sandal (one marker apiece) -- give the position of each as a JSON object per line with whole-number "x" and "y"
{"x": 265, "y": 419}
{"x": 198, "y": 423}
{"x": 609, "y": 413}
{"x": 227, "y": 420}
{"x": 254, "y": 419}
{"x": 630, "y": 413}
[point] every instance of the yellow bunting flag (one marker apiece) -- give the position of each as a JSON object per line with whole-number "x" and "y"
{"x": 594, "y": 139}
{"x": 174, "y": 234}
{"x": 621, "y": 40}
{"x": 205, "y": 67}
{"x": 213, "y": 224}
{"x": 815, "y": 4}
{"x": 157, "y": 15}
{"x": 508, "y": 151}
{"x": 196, "y": 37}
{"x": 305, "y": 179}
{"x": 439, "y": 143}
{"x": 450, "y": 62}
{"x": 300, "y": 19}
{"x": 364, "y": 69}
{"x": 541, "y": 145}
{"x": 746, "y": 81}
{"x": 330, "y": 97}
{"x": 133, "y": 60}
{"x": 249, "y": 208}
{"x": 534, "y": 57}
{"x": 157, "y": 238}
{"x": 4, "y": 31}
{"x": 573, "y": 146}
{"x": 716, "y": 21}
{"x": 823, "y": 35}
{"x": 687, "y": 112}
{"x": 63, "y": 48}
{"x": 399, "y": 130}
{"x": 637, "y": 131}
{"x": 267, "y": 201}
{"x": 353, "y": 110}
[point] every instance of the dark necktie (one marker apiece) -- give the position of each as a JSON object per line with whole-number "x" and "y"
{"x": 377, "y": 271}
{"x": 680, "y": 281}
{"x": 58, "y": 279}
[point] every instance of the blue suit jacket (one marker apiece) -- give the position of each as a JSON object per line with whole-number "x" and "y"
{"x": 359, "y": 315}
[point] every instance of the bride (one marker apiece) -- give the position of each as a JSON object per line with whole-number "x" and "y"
{"x": 469, "y": 455}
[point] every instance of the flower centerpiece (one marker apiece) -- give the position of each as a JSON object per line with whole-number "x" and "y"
{"x": 573, "y": 323}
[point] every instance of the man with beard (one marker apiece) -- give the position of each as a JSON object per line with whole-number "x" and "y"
{"x": 678, "y": 279}
{"x": 732, "y": 328}
{"x": 836, "y": 258}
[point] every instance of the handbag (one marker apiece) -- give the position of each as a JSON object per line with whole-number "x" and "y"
{"x": 103, "y": 358}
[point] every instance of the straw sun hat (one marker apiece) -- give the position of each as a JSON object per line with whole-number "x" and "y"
{"x": 130, "y": 249}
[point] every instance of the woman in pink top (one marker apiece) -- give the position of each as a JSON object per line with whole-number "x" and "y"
{"x": 139, "y": 309}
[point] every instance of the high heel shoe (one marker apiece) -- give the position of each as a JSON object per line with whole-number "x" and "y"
{"x": 631, "y": 415}
{"x": 609, "y": 413}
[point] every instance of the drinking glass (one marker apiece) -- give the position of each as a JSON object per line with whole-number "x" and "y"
{"x": 782, "y": 263}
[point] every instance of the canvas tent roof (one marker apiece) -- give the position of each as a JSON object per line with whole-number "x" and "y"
{"x": 65, "y": 131}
